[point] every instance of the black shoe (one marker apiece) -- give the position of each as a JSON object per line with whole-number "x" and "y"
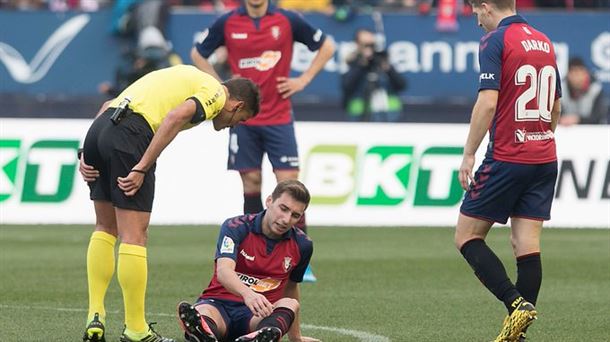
{"x": 271, "y": 334}
{"x": 152, "y": 336}
{"x": 194, "y": 326}
{"x": 95, "y": 331}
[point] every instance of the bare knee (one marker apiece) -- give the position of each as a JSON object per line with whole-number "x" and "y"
{"x": 251, "y": 181}
{"x": 289, "y": 303}
{"x": 469, "y": 228}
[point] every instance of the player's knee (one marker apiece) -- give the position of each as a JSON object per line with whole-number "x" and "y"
{"x": 252, "y": 181}
{"x": 289, "y": 303}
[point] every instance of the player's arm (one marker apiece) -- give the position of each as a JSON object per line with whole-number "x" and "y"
{"x": 289, "y": 86}
{"x": 169, "y": 128}
{"x": 256, "y": 302}
{"x": 555, "y": 114}
{"x": 482, "y": 114}
{"x": 294, "y": 333}
{"x": 202, "y": 63}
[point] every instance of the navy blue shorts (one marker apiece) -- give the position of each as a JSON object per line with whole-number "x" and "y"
{"x": 248, "y": 144}
{"x": 506, "y": 189}
{"x": 237, "y": 316}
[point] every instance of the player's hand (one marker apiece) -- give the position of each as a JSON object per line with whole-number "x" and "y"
{"x": 290, "y": 86}
{"x": 258, "y": 304}
{"x": 88, "y": 172}
{"x": 132, "y": 183}
{"x": 465, "y": 175}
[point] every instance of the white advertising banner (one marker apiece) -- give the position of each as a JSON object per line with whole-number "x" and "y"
{"x": 359, "y": 174}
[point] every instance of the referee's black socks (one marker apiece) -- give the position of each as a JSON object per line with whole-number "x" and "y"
{"x": 490, "y": 271}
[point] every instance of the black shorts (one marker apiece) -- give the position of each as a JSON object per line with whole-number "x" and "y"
{"x": 114, "y": 150}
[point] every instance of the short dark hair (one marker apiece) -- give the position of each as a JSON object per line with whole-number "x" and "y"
{"x": 500, "y": 4}
{"x": 576, "y": 62}
{"x": 294, "y": 188}
{"x": 243, "y": 89}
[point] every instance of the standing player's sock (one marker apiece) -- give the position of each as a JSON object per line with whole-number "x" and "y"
{"x": 529, "y": 276}
{"x": 490, "y": 271}
{"x": 253, "y": 203}
{"x": 302, "y": 224}
{"x": 100, "y": 268}
{"x": 281, "y": 318}
{"x": 132, "y": 273}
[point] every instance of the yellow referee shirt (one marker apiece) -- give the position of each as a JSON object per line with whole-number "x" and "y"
{"x": 158, "y": 92}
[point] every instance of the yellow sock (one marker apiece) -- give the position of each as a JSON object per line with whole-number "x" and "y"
{"x": 100, "y": 268}
{"x": 132, "y": 272}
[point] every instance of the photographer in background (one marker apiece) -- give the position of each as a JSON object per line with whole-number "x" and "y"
{"x": 371, "y": 85}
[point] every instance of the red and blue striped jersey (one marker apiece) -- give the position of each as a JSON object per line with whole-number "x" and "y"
{"x": 519, "y": 62}
{"x": 263, "y": 264}
{"x": 261, "y": 49}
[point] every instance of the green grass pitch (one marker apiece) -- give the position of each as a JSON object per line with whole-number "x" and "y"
{"x": 375, "y": 284}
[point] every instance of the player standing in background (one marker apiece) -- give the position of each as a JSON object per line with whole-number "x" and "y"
{"x": 259, "y": 38}
{"x": 260, "y": 259}
{"x": 518, "y": 103}
{"x": 118, "y": 162}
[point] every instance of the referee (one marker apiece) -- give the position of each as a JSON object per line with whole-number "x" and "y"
{"x": 118, "y": 163}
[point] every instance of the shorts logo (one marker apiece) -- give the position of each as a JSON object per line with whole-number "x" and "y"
{"x": 293, "y": 161}
{"x": 266, "y": 61}
{"x": 228, "y": 246}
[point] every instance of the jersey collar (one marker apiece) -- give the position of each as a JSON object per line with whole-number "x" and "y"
{"x": 513, "y": 19}
{"x": 258, "y": 226}
{"x": 271, "y": 8}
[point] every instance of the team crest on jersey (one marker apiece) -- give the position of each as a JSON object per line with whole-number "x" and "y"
{"x": 275, "y": 32}
{"x": 287, "y": 263}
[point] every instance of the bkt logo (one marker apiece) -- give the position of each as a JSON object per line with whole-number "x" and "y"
{"x": 384, "y": 175}
{"x": 44, "y": 172}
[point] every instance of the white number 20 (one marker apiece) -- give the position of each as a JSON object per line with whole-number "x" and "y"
{"x": 542, "y": 87}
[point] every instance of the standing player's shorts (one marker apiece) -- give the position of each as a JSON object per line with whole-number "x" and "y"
{"x": 114, "y": 150}
{"x": 247, "y": 144}
{"x": 236, "y": 315}
{"x": 506, "y": 189}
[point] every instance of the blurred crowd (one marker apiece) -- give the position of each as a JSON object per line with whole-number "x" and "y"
{"x": 324, "y": 6}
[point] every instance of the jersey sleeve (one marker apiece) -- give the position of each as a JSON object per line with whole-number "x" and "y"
{"x": 213, "y": 37}
{"x": 209, "y": 102}
{"x": 490, "y": 60}
{"x": 306, "y": 249}
{"x": 303, "y": 32}
{"x": 232, "y": 232}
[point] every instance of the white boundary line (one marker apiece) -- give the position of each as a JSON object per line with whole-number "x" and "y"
{"x": 360, "y": 335}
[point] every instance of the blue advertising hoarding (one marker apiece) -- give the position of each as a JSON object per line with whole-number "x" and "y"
{"x": 72, "y": 53}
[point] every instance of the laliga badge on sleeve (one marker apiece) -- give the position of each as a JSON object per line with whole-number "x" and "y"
{"x": 228, "y": 246}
